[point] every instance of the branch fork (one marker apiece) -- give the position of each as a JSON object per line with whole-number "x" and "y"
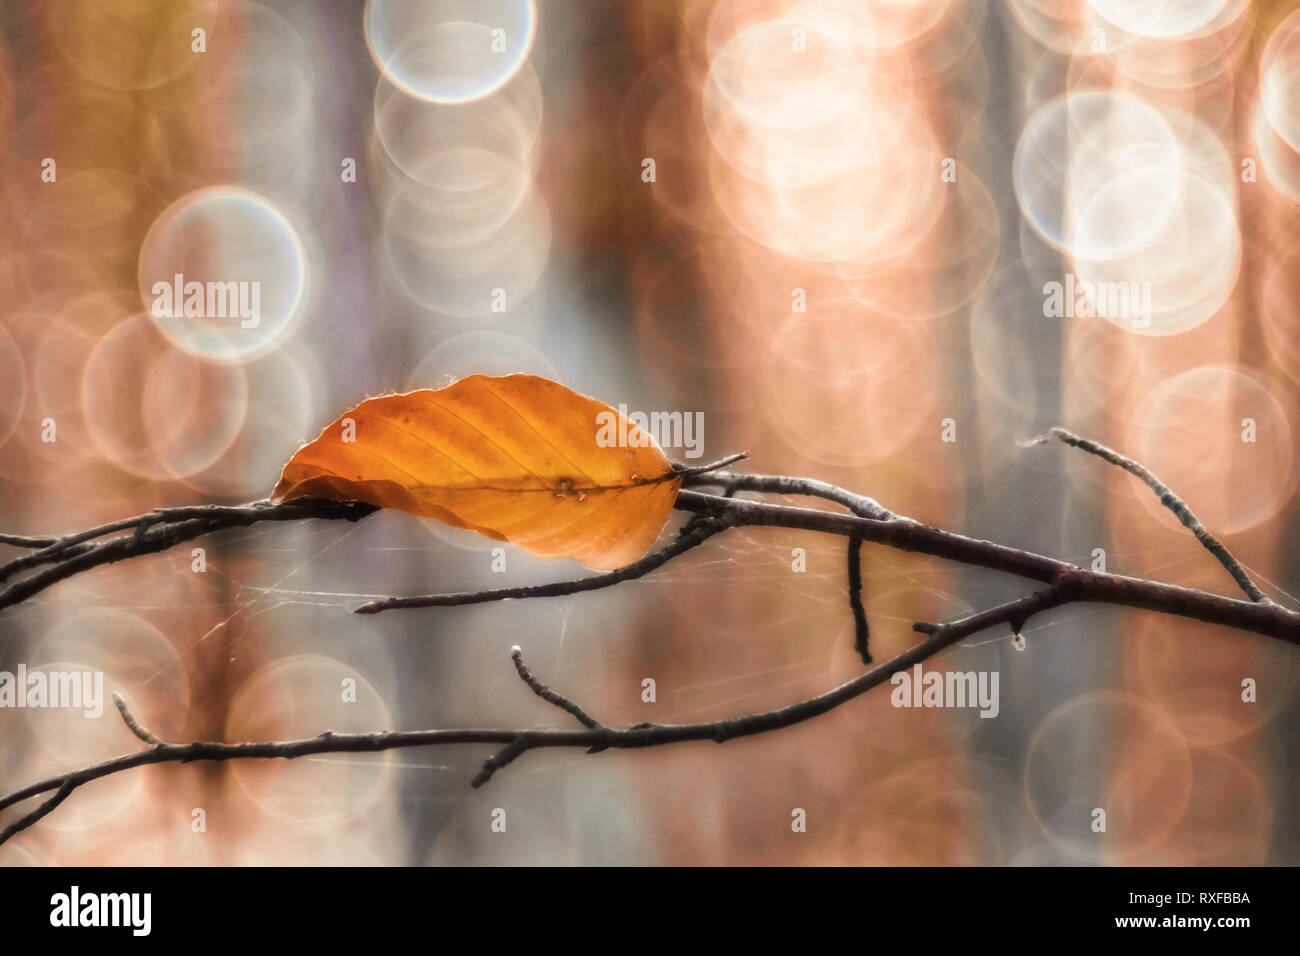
{"x": 53, "y": 559}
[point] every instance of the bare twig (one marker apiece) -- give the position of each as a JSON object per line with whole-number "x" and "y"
{"x": 548, "y": 695}
{"x": 153, "y": 532}
{"x": 685, "y": 471}
{"x": 132, "y": 724}
{"x": 500, "y": 759}
{"x": 861, "y": 627}
{"x": 906, "y": 534}
{"x": 52, "y": 550}
{"x": 692, "y": 535}
{"x": 732, "y": 482}
{"x": 860, "y": 505}
{"x": 517, "y": 747}
{"x": 711, "y": 514}
{"x": 65, "y": 788}
{"x": 722, "y": 513}
{"x": 26, "y": 541}
{"x": 1170, "y": 501}
{"x": 516, "y": 742}
{"x": 1014, "y": 613}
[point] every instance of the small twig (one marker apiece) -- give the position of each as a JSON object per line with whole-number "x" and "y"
{"x": 167, "y": 528}
{"x": 26, "y": 541}
{"x": 731, "y": 482}
{"x": 216, "y": 516}
{"x": 1264, "y": 617}
{"x": 692, "y": 535}
{"x": 860, "y": 505}
{"x": 684, "y": 471}
{"x": 517, "y": 742}
{"x": 906, "y": 534}
{"x": 861, "y": 628}
{"x": 1014, "y": 613}
{"x": 1170, "y": 501}
{"x": 711, "y": 514}
{"x": 60, "y": 547}
{"x": 548, "y": 695}
{"x": 22, "y": 823}
{"x": 502, "y": 758}
{"x": 135, "y": 726}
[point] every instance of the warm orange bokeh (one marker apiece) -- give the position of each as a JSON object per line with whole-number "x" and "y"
{"x": 832, "y": 228}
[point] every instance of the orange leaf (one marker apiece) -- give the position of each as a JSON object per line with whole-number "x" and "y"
{"x": 515, "y": 458}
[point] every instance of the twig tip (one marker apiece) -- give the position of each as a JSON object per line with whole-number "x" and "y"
{"x": 684, "y": 471}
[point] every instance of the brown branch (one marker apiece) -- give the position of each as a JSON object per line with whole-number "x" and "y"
{"x": 732, "y": 482}
{"x": 714, "y": 513}
{"x": 1014, "y": 613}
{"x": 500, "y": 759}
{"x": 687, "y": 472}
{"x": 153, "y": 532}
{"x": 65, "y": 788}
{"x": 711, "y": 514}
{"x": 1170, "y": 501}
{"x": 132, "y": 724}
{"x": 520, "y": 745}
{"x": 905, "y": 534}
{"x": 517, "y": 741}
{"x": 693, "y": 534}
{"x": 860, "y": 505}
{"x": 861, "y": 627}
{"x": 548, "y": 695}
{"x": 26, "y": 541}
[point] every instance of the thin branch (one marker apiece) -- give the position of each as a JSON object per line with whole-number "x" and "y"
{"x": 26, "y": 541}
{"x": 548, "y": 695}
{"x": 500, "y": 759}
{"x": 861, "y": 627}
{"x": 722, "y": 513}
{"x": 860, "y": 505}
{"x": 64, "y": 791}
{"x": 153, "y": 532}
{"x": 517, "y": 742}
{"x": 1170, "y": 501}
{"x": 731, "y": 482}
{"x": 905, "y": 534}
{"x": 517, "y": 747}
{"x": 707, "y": 475}
{"x": 132, "y": 724}
{"x": 711, "y": 515}
{"x": 693, "y": 534}
{"x": 685, "y": 471}
{"x": 1014, "y": 613}
{"x": 60, "y": 547}
{"x": 217, "y": 516}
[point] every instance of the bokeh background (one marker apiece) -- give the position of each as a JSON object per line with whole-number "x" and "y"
{"x": 853, "y": 212}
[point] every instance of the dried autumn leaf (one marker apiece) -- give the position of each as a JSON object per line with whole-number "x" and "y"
{"x": 515, "y": 458}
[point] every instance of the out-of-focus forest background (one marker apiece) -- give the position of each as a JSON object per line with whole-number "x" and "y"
{"x": 826, "y": 226}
